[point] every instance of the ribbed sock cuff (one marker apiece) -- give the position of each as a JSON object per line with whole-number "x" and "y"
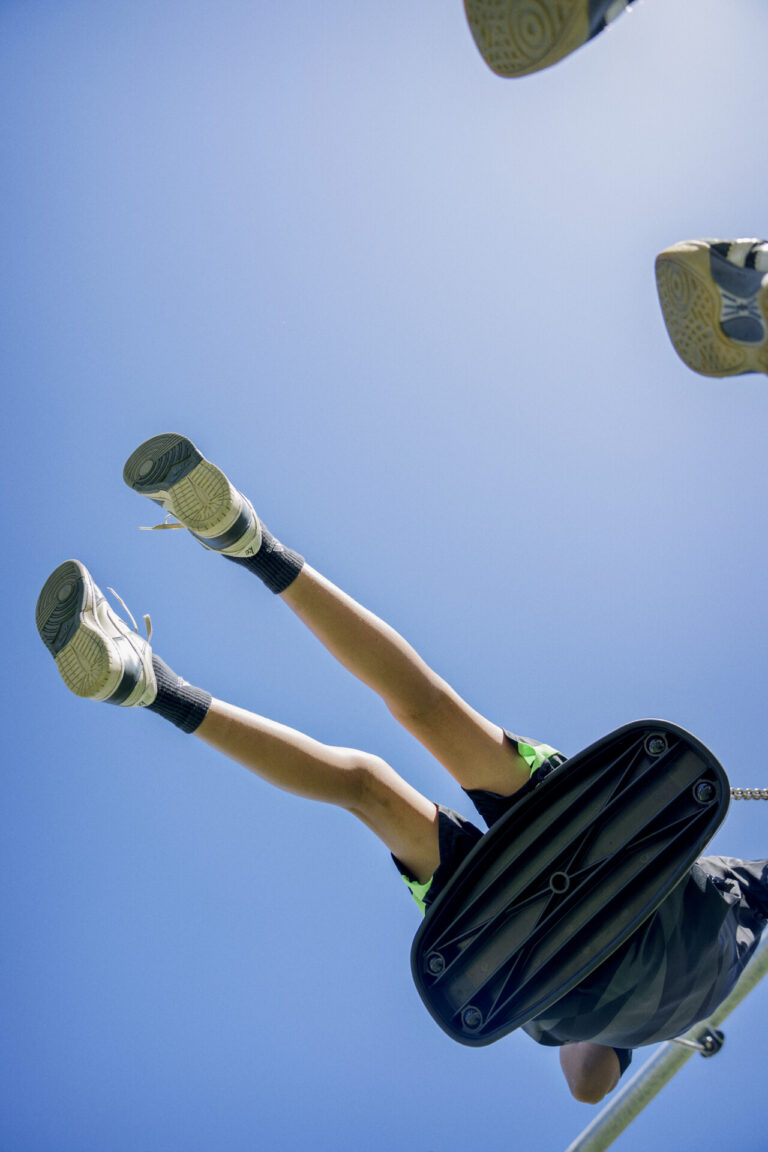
{"x": 177, "y": 701}
{"x": 275, "y": 565}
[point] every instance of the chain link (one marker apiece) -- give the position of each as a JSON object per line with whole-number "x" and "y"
{"x": 749, "y": 793}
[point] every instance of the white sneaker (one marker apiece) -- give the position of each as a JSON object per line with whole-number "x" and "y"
{"x": 170, "y": 470}
{"x": 97, "y": 654}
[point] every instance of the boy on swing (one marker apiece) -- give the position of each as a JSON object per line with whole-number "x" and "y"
{"x": 670, "y": 974}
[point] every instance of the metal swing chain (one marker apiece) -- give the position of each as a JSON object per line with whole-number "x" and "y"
{"x": 749, "y": 793}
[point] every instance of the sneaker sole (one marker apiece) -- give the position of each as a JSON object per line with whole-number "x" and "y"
{"x": 517, "y": 37}
{"x": 68, "y": 628}
{"x": 691, "y": 306}
{"x": 171, "y": 470}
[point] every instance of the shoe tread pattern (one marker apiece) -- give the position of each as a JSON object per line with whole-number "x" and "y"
{"x": 159, "y": 463}
{"x": 63, "y": 607}
{"x": 85, "y": 664}
{"x": 60, "y": 604}
{"x": 517, "y": 37}
{"x": 691, "y": 306}
{"x": 198, "y": 493}
{"x": 202, "y": 500}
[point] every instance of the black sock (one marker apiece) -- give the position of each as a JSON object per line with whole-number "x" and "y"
{"x": 275, "y": 565}
{"x": 177, "y": 701}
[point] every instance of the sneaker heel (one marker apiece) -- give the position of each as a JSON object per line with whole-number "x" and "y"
{"x": 59, "y": 606}
{"x": 160, "y": 462}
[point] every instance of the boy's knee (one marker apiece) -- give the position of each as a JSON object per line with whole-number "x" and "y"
{"x": 399, "y": 815}
{"x": 592, "y": 1071}
{"x": 586, "y": 1091}
{"x": 366, "y": 780}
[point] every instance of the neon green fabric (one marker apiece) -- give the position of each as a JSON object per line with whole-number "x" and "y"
{"x": 535, "y": 753}
{"x": 419, "y": 892}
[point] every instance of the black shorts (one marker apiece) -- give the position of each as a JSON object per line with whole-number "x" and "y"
{"x": 458, "y": 836}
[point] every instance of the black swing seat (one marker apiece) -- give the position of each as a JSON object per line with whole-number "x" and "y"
{"x": 585, "y": 855}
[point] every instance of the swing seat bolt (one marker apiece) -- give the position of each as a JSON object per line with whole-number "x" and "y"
{"x": 704, "y": 792}
{"x": 656, "y": 745}
{"x": 436, "y": 963}
{"x": 472, "y": 1018}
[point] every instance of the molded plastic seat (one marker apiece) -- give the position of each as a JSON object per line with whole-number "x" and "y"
{"x": 580, "y": 861}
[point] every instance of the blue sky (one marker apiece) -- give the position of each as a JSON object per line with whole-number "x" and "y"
{"x": 410, "y": 308}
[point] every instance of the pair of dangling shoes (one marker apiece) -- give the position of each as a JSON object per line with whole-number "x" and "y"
{"x": 713, "y": 293}
{"x": 517, "y": 37}
{"x": 714, "y": 299}
{"x": 98, "y": 655}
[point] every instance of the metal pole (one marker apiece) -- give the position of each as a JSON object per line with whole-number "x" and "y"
{"x": 664, "y": 1063}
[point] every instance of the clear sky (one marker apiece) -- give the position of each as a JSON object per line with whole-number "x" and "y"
{"x": 410, "y": 308}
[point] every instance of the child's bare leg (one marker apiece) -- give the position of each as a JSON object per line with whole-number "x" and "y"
{"x": 472, "y": 748}
{"x": 363, "y": 784}
{"x": 172, "y": 471}
{"x": 101, "y": 658}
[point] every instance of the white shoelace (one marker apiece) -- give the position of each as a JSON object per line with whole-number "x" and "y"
{"x": 147, "y": 620}
{"x": 159, "y": 527}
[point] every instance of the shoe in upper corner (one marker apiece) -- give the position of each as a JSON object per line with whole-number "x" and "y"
{"x": 518, "y": 37}
{"x": 714, "y": 299}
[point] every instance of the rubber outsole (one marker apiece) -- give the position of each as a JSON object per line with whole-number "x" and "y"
{"x": 82, "y": 656}
{"x": 691, "y": 307}
{"x": 60, "y": 605}
{"x": 518, "y": 37}
{"x": 171, "y": 470}
{"x": 160, "y": 462}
